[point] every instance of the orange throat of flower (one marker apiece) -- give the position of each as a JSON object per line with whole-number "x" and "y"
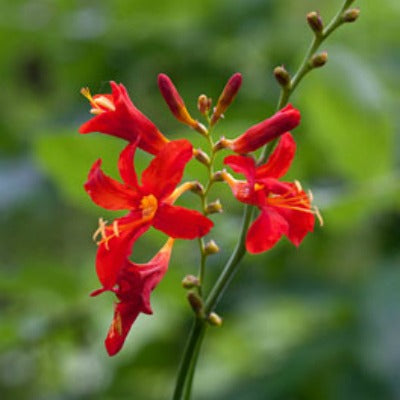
{"x": 148, "y": 207}
{"x": 100, "y": 103}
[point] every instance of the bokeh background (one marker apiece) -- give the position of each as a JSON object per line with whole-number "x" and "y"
{"x": 318, "y": 322}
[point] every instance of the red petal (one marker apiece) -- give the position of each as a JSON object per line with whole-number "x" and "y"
{"x": 111, "y": 255}
{"x": 280, "y": 160}
{"x": 166, "y": 169}
{"x": 267, "y": 130}
{"x": 139, "y": 280}
{"x": 126, "y": 167}
{"x": 126, "y": 122}
{"x": 107, "y": 192}
{"x": 179, "y": 222}
{"x": 299, "y": 222}
{"x": 125, "y": 314}
{"x": 242, "y": 165}
{"x": 266, "y": 230}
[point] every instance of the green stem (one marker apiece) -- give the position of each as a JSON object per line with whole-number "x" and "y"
{"x": 191, "y": 353}
{"x": 189, "y": 357}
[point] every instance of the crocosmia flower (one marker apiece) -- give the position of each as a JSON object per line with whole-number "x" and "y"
{"x": 133, "y": 288}
{"x": 149, "y": 203}
{"x": 269, "y": 129}
{"x": 116, "y": 115}
{"x": 285, "y": 208}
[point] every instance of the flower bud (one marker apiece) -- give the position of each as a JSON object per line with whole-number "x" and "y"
{"x": 258, "y": 135}
{"x": 195, "y": 302}
{"x": 282, "y": 76}
{"x": 190, "y": 281}
{"x": 204, "y": 104}
{"x": 315, "y": 22}
{"x": 222, "y": 143}
{"x": 176, "y": 104}
{"x": 351, "y": 15}
{"x": 217, "y": 176}
{"x": 214, "y": 319}
{"x": 227, "y": 96}
{"x": 211, "y": 248}
{"x": 197, "y": 187}
{"x": 319, "y": 60}
{"x": 214, "y": 207}
{"x": 202, "y": 157}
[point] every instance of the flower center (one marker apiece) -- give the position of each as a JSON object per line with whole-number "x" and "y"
{"x": 100, "y": 103}
{"x": 296, "y": 200}
{"x": 148, "y": 205}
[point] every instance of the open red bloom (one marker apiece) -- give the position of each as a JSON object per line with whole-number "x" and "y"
{"x": 285, "y": 207}
{"x": 258, "y": 135}
{"x": 150, "y": 204}
{"x": 116, "y": 115}
{"x": 134, "y": 286}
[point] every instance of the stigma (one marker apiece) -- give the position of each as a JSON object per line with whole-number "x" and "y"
{"x": 100, "y": 103}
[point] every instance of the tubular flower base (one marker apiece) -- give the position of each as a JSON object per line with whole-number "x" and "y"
{"x": 262, "y": 133}
{"x": 134, "y": 285}
{"x": 116, "y": 115}
{"x": 285, "y": 209}
{"x": 150, "y": 204}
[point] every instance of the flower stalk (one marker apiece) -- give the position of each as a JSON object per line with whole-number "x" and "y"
{"x": 187, "y": 367}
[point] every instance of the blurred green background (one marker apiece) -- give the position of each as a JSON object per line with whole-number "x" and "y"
{"x": 318, "y": 322}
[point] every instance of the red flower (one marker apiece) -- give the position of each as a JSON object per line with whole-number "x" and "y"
{"x": 150, "y": 204}
{"x": 285, "y": 207}
{"x": 134, "y": 286}
{"x": 258, "y": 135}
{"x": 116, "y": 115}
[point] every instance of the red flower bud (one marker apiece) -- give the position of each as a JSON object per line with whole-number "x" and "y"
{"x": 227, "y": 96}
{"x": 176, "y": 103}
{"x": 267, "y": 130}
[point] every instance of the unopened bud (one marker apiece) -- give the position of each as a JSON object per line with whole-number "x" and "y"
{"x": 217, "y": 176}
{"x": 195, "y": 302}
{"x": 214, "y": 207}
{"x": 214, "y": 319}
{"x": 202, "y": 157}
{"x": 227, "y": 96}
{"x": 222, "y": 143}
{"x": 176, "y": 103}
{"x": 319, "y": 60}
{"x": 197, "y": 187}
{"x": 315, "y": 22}
{"x": 282, "y": 76}
{"x": 211, "y": 248}
{"x": 190, "y": 281}
{"x": 204, "y": 104}
{"x": 351, "y": 15}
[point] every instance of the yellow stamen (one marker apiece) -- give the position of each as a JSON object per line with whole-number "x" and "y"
{"x": 319, "y": 216}
{"x": 298, "y": 186}
{"x": 100, "y": 104}
{"x": 258, "y": 186}
{"x": 103, "y": 101}
{"x": 101, "y": 230}
{"x": 115, "y": 228}
{"x": 86, "y": 93}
